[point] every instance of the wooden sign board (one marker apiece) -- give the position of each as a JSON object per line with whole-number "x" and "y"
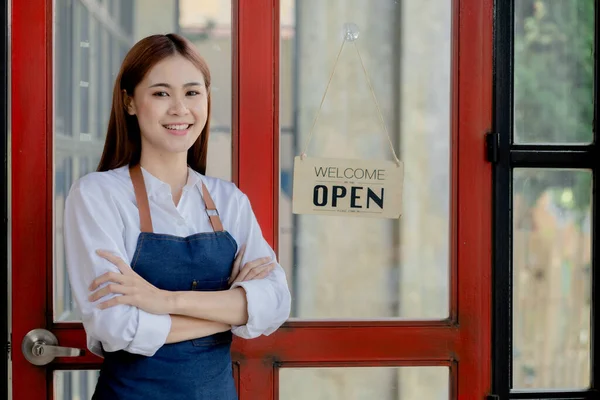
{"x": 358, "y": 188}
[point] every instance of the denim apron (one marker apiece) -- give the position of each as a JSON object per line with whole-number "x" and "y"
{"x": 198, "y": 369}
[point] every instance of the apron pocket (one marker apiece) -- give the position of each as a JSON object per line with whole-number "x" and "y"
{"x": 210, "y": 286}
{"x": 214, "y": 340}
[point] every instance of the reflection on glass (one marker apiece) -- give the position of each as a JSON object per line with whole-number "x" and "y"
{"x": 341, "y": 267}
{"x": 552, "y": 278}
{"x": 554, "y": 71}
{"x": 92, "y": 38}
{"x": 74, "y": 385}
{"x": 381, "y": 383}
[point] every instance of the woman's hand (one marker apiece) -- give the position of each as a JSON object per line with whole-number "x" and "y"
{"x": 135, "y": 290}
{"x": 256, "y": 269}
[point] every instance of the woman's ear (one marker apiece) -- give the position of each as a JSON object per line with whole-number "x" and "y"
{"x": 128, "y": 102}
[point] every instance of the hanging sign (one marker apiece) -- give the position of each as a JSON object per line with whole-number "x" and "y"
{"x": 360, "y": 188}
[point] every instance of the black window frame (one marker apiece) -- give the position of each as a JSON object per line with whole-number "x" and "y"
{"x": 506, "y": 156}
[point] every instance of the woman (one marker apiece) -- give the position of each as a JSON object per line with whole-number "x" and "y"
{"x": 154, "y": 247}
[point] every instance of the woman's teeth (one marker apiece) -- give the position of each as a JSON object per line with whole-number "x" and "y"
{"x": 180, "y": 127}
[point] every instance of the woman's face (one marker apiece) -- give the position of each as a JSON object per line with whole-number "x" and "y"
{"x": 171, "y": 106}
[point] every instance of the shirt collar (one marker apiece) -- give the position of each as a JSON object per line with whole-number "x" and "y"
{"x": 156, "y": 186}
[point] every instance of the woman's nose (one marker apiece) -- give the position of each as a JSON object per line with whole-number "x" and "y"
{"x": 178, "y": 108}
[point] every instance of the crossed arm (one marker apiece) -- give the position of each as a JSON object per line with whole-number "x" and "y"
{"x": 125, "y": 312}
{"x": 193, "y": 314}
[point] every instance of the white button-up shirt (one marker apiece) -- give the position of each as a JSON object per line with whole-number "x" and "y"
{"x": 101, "y": 213}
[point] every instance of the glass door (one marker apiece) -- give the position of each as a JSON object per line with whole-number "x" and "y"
{"x": 382, "y": 309}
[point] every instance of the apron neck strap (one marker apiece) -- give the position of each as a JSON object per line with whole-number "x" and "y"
{"x": 211, "y": 210}
{"x": 141, "y": 197}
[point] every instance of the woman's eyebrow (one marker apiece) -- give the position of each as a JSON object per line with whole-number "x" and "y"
{"x": 169, "y": 86}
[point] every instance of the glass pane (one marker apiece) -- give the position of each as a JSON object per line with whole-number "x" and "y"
{"x": 90, "y": 45}
{"x": 74, "y": 385}
{"x": 554, "y": 71}
{"x": 341, "y": 267}
{"x": 210, "y": 30}
{"x": 381, "y": 383}
{"x": 552, "y": 278}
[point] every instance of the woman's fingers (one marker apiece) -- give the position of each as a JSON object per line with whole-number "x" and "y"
{"x": 115, "y": 301}
{"x": 108, "y": 277}
{"x": 116, "y": 260}
{"x": 113, "y": 288}
{"x": 260, "y": 272}
{"x": 262, "y": 275}
{"x": 249, "y": 266}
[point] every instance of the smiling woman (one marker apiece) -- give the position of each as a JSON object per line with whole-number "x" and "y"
{"x": 165, "y": 262}
{"x": 166, "y": 82}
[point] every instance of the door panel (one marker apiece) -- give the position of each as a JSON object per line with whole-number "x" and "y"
{"x": 357, "y": 268}
{"x": 77, "y": 71}
{"x": 91, "y": 40}
{"x": 406, "y": 383}
{"x": 464, "y": 337}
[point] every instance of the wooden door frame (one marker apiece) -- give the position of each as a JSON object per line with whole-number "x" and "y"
{"x": 31, "y": 215}
{"x": 461, "y": 342}
{"x": 4, "y": 138}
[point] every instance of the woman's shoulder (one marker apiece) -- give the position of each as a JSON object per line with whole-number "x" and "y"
{"x": 102, "y": 183}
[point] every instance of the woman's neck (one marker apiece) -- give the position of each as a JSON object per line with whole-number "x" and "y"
{"x": 172, "y": 170}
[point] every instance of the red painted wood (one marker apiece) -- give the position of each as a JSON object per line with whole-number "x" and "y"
{"x": 235, "y": 94}
{"x": 474, "y": 203}
{"x": 350, "y": 345}
{"x": 275, "y": 174}
{"x": 257, "y": 148}
{"x": 257, "y": 377}
{"x": 385, "y": 364}
{"x": 29, "y": 141}
{"x": 256, "y": 101}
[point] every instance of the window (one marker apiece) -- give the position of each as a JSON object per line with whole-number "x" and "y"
{"x": 546, "y": 205}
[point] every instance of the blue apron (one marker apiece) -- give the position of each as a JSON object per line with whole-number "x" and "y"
{"x": 198, "y": 369}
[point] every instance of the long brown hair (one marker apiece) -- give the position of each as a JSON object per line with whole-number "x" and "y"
{"x": 123, "y": 145}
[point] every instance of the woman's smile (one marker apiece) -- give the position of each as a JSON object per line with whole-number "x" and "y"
{"x": 178, "y": 129}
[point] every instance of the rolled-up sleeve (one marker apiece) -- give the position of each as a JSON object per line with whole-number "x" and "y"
{"x": 269, "y": 299}
{"x": 92, "y": 222}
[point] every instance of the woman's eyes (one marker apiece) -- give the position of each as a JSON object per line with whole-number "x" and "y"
{"x": 189, "y": 93}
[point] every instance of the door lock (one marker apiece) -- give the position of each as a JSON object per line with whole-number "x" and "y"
{"x": 40, "y": 347}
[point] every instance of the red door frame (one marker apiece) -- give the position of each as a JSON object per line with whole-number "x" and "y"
{"x": 462, "y": 342}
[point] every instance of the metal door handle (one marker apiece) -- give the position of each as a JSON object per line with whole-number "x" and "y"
{"x": 40, "y": 347}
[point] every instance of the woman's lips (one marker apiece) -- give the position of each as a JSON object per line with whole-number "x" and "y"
{"x": 178, "y": 129}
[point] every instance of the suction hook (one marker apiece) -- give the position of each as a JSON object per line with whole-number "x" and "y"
{"x": 351, "y": 32}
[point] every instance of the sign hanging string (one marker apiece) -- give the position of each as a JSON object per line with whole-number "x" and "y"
{"x": 380, "y": 114}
